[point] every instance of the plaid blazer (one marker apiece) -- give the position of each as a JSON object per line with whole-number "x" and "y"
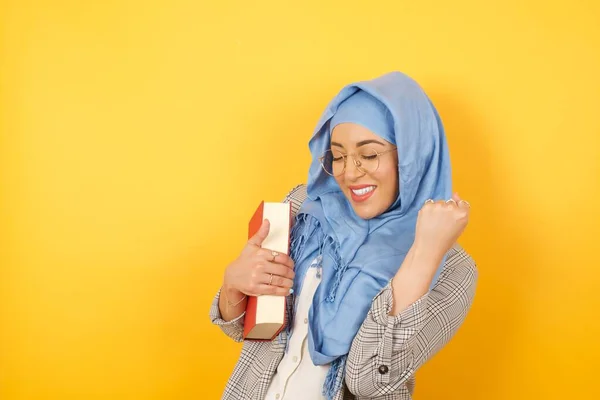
{"x": 386, "y": 352}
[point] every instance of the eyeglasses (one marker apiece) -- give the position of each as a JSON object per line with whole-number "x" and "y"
{"x": 366, "y": 161}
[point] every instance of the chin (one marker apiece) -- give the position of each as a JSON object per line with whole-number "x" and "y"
{"x": 365, "y": 211}
{"x": 369, "y": 209}
{"x": 366, "y": 214}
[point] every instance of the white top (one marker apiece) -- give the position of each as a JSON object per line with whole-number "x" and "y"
{"x": 297, "y": 378}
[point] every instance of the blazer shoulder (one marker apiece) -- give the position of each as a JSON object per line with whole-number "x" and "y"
{"x": 296, "y": 197}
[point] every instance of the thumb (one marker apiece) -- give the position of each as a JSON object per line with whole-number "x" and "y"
{"x": 261, "y": 234}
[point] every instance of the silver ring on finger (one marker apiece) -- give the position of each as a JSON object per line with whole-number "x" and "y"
{"x": 274, "y": 254}
{"x": 429, "y": 201}
{"x": 271, "y": 279}
{"x": 466, "y": 203}
{"x": 451, "y": 201}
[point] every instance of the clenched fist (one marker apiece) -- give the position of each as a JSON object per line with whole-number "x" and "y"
{"x": 440, "y": 224}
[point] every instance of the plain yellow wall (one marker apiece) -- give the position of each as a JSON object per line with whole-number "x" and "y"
{"x": 137, "y": 137}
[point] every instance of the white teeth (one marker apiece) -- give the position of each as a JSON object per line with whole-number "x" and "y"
{"x": 363, "y": 191}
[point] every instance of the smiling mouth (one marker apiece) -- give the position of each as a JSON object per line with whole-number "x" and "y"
{"x": 361, "y": 194}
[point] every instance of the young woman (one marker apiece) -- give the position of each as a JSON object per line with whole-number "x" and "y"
{"x": 376, "y": 282}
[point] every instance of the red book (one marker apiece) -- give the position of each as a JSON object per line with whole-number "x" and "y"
{"x": 266, "y": 315}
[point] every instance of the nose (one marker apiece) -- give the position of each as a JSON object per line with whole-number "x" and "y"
{"x": 352, "y": 170}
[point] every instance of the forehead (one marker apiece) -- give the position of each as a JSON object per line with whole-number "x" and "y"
{"x": 349, "y": 134}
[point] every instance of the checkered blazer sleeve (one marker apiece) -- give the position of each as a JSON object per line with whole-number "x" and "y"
{"x": 235, "y": 328}
{"x": 387, "y": 351}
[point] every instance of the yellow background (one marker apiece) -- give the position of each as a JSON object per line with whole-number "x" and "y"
{"x": 137, "y": 137}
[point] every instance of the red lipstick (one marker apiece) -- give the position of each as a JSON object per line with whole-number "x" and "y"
{"x": 358, "y": 198}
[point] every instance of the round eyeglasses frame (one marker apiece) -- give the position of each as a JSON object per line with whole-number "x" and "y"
{"x": 357, "y": 162}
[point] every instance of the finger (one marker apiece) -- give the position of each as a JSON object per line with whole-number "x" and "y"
{"x": 463, "y": 204}
{"x": 451, "y": 203}
{"x": 279, "y": 270}
{"x": 273, "y": 290}
{"x": 276, "y": 257}
{"x": 262, "y": 233}
{"x": 276, "y": 280}
{"x": 284, "y": 259}
{"x": 265, "y": 254}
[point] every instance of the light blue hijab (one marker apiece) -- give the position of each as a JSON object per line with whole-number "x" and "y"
{"x": 359, "y": 256}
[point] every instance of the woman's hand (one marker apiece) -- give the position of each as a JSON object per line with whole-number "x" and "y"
{"x": 259, "y": 271}
{"x": 440, "y": 224}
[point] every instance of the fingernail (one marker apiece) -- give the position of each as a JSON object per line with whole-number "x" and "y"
{"x": 291, "y": 291}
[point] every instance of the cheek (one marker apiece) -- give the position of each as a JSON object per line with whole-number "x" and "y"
{"x": 388, "y": 176}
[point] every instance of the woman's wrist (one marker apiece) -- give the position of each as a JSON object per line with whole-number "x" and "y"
{"x": 414, "y": 277}
{"x": 420, "y": 264}
{"x": 232, "y": 302}
{"x": 231, "y": 293}
{"x": 423, "y": 254}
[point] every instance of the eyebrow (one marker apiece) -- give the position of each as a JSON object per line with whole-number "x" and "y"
{"x": 361, "y": 143}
